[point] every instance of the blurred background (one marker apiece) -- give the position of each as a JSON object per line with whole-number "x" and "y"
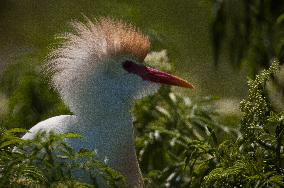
{"x": 183, "y": 28}
{"x": 213, "y": 44}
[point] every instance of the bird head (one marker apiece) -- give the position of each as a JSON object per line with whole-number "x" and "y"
{"x": 104, "y": 60}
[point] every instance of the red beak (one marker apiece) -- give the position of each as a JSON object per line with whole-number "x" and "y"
{"x": 154, "y": 75}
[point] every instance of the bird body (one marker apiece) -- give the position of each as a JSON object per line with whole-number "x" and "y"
{"x": 111, "y": 139}
{"x": 98, "y": 73}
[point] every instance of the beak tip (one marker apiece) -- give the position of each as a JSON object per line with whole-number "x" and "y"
{"x": 185, "y": 84}
{"x": 190, "y": 86}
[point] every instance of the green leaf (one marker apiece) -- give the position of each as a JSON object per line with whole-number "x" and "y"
{"x": 280, "y": 19}
{"x": 15, "y": 141}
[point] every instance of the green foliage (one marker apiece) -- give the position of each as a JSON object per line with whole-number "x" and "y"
{"x": 180, "y": 143}
{"x": 256, "y": 158}
{"x": 256, "y": 107}
{"x": 47, "y": 161}
{"x": 178, "y": 136}
{"x": 30, "y": 100}
{"x": 250, "y": 31}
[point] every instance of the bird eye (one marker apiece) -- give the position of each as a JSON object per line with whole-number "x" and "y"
{"x": 127, "y": 64}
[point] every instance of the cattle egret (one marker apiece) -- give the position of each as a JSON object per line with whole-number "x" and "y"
{"x": 99, "y": 72}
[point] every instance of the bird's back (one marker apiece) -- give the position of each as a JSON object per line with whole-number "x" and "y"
{"x": 58, "y": 124}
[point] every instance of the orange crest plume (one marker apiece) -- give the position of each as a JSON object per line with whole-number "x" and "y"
{"x": 91, "y": 43}
{"x": 123, "y": 39}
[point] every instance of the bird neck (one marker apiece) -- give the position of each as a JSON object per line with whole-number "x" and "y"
{"x": 112, "y": 131}
{"x": 108, "y": 129}
{"x": 102, "y": 110}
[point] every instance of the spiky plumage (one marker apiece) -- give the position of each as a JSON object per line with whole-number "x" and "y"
{"x": 93, "y": 43}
